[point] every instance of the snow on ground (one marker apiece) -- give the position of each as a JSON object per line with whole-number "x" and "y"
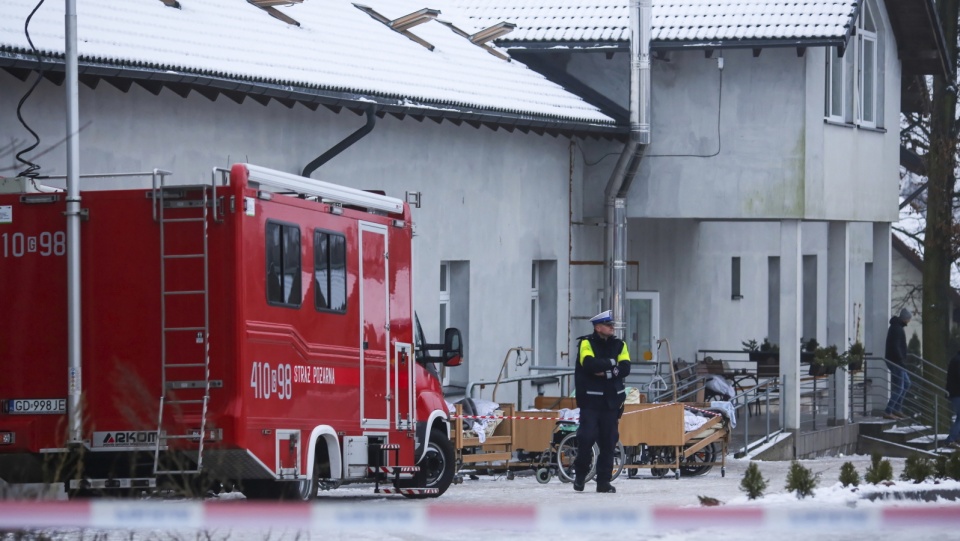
{"x": 494, "y": 507}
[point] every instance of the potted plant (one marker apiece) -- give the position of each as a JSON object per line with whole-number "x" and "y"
{"x": 807, "y": 350}
{"x": 765, "y": 350}
{"x": 826, "y": 360}
{"x": 766, "y": 355}
{"x": 855, "y": 357}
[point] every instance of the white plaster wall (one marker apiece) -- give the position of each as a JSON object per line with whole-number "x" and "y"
{"x": 688, "y": 263}
{"x": 751, "y": 165}
{"x": 498, "y": 200}
{"x": 855, "y": 175}
{"x": 775, "y": 157}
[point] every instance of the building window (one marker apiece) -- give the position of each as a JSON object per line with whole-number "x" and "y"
{"x": 839, "y": 101}
{"x": 283, "y": 264}
{"x": 858, "y": 73}
{"x": 867, "y": 67}
{"x": 454, "y": 312}
{"x": 735, "y": 292}
{"x": 444, "y": 297}
{"x": 534, "y": 311}
{"x": 330, "y": 271}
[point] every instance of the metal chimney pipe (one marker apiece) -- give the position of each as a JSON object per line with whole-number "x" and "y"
{"x": 641, "y": 16}
{"x": 74, "y": 365}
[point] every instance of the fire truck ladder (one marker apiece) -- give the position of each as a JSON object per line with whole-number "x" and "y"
{"x": 181, "y": 213}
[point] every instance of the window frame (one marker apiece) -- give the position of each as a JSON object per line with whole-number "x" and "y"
{"x": 297, "y": 293}
{"x": 861, "y": 75}
{"x": 864, "y": 85}
{"x": 317, "y": 232}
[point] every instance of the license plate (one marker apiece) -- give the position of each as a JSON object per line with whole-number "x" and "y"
{"x": 25, "y": 406}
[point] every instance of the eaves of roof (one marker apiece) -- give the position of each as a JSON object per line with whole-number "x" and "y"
{"x": 154, "y": 78}
{"x": 676, "y": 45}
{"x": 921, "y": 44}
{"x": 917, "y": 261}
{"x": 916, "y": 24}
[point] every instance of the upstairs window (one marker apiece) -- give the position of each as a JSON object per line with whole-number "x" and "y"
{"x": 283, "y": 264}
{"x": 330, "y": 271}
{"x": 839, "y": 102}
{"x": 854, "y": 81}
{"x": 867, "y": 68}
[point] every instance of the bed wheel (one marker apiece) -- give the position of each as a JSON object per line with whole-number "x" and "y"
{"x": 543, "y": 476}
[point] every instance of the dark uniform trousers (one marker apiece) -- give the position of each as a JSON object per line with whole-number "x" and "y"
{"x": 600, "y": 426}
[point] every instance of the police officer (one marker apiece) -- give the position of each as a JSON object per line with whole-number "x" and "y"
{"x": 602, "y": 364}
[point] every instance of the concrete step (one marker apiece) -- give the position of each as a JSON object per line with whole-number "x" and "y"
{"x": 867, "y": 445}
{"x": 903, "y": 434}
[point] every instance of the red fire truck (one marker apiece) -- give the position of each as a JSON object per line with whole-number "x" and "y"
{"x": 256, "y": 332}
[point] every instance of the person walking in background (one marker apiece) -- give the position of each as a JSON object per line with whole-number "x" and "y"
{"x": 953, "y": 393}
{"x": 602, "y": 364}
{"x": 896, "y": 356}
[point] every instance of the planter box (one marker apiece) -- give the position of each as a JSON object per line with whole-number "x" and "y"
{"x": 768, "y": 363}
{"x": 821, "y": 370}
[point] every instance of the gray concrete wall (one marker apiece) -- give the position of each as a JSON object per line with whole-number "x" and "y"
{"x": 493, "y": 199}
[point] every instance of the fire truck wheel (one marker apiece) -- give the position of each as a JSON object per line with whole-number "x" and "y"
{"x": 436, "y": 468}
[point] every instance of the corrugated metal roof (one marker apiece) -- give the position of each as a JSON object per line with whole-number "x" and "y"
{"x": 673, "y": 20}
{"x": 337, "y": 47}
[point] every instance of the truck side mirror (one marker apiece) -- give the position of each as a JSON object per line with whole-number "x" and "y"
{"x": 452, "y": 347}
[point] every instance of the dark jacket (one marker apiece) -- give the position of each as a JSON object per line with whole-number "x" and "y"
{"x": 953, "y": 377}
{"x": 896, "y": 350}
{"x": 602, "y": 364}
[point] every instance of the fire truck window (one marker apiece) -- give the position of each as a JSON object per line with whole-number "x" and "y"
{"x": 330, "y": 271}
{"x": 283, "y": 264}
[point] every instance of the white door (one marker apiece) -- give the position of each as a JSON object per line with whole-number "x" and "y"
{"x": 642, "y": 324}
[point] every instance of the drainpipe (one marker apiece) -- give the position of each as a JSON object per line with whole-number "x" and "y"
{"x": 342, "y": 145}
{"x": 615, "y": 241}
{"x": 74, "y": 374}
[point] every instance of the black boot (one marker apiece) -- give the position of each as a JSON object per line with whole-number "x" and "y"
{"x": 606, "y": 487}
{"x": 578, "y": 484}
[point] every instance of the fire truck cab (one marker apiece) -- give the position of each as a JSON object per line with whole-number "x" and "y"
{"x": 256, "y": 332}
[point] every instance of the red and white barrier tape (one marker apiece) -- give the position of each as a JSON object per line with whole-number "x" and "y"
{"x": 428, "y": 517}
{"x": 537, "y": 418}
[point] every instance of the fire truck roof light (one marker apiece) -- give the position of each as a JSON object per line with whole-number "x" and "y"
{"x": 319, "y": 188}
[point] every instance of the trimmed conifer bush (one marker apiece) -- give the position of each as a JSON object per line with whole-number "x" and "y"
{"x": 801, "y": 480}
{"x": 879, "y": 470}
{"x": 753, "y": 482}
{"x": 848, "y": 475}
{"x": 917, "y": 469}
{"x": 951, "y": 467}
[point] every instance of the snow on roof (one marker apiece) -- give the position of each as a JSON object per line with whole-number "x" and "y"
{"x": 336, "y": 47}
{"x": 673, "y": 20}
